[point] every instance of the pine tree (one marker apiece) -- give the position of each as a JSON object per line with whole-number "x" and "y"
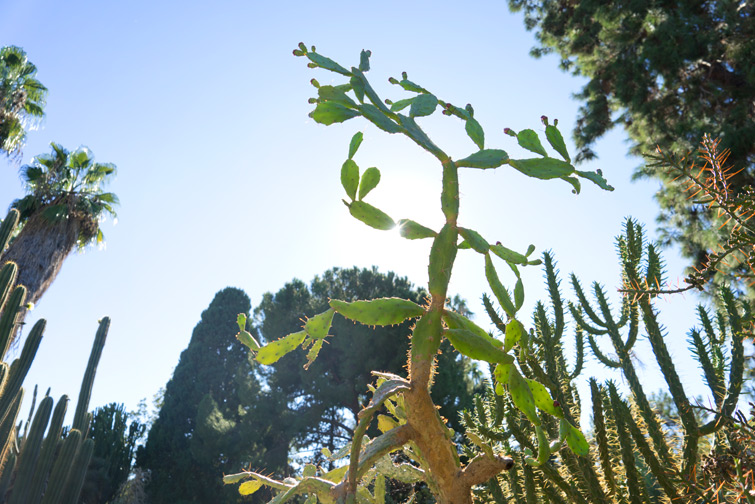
{"x": 321, "y": 403}
{"x": 669, "y": 72}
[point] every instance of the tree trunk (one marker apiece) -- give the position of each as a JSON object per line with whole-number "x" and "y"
{"x": 39, "y": 251}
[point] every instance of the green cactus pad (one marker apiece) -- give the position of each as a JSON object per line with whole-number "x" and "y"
{"x": 597, "y": 178}
{"x": 356, "y": 141}
{"x": 508, "y": 255}
{"x": 475, "y": 347}
{"x": 457, "y": 321}
{"x": 371, "y": 216}
{"x": 413, "y": 231}
{"x": 274, "y": 350}
{"x": 530, "y": 141}
{"x": 514, "y": 331}
{"x": 329, "y": 112}
{"x": 370, "y": 180}
{"x": 383, "y": 311}
{"x": 521, "y": 395}
{"x": 575, "y": 439}
{"x": 318, "y": 326}
{"x": 350, "y": 178}
{"x": 327, "y": 63}
{"x": 484, "y": 159}
{"x": 543, "y": 168}
{"x": 442, "y": 255}
{"x": 543, "y": 399}
{"x": 376, "y": 117}
{"x": 423, "y": 105}
{"x": 557, "y": 141}
{"x": 475, "y": 132}
{"x": 474, "y": 239}
{"x": 501, "y": 374}
{"x": 499, "y": 290}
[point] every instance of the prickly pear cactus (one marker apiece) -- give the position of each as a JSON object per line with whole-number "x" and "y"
{"x": 410, "y": 422}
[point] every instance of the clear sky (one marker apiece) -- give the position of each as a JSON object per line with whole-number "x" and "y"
{"x": 225, "y": 181}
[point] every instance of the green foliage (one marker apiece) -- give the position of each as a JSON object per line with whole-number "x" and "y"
{"x": 413, "y": 426}
{"x": 642, "y": 450}
{"x": 65, "y": 185}
{"x": 211, "y": 421}
{"x": 22, "y": 98}
{"x": 668, "y": 73}
{"x": 323, "y": 401}
{"x": 115, "y": 440}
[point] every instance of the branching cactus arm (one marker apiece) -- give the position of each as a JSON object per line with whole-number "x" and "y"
{"x": 416, "y": 427}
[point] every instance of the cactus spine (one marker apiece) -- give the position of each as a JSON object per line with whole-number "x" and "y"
{"x": 636, "y": 460}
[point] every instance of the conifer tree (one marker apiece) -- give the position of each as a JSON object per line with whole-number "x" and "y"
{"x": 322, "y": 402}
{"x": 668, "y": 72}
{"x": 206, "y": 424}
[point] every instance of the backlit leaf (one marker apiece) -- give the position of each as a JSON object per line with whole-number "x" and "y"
{"x": 487, "y": 158}
{"x": 329, "y": 112}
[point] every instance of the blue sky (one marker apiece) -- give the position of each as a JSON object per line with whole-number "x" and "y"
{"x": 224, "y": 180}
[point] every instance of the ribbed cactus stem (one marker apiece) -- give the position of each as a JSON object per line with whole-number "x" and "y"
{"x": 715, "y": 384}
{"x": 736, "y": 367}
{"x": 568, "y": 487}
{"x": 637, "y": 490}
{"x": 9, "y": 318}
{"x": 683, "y": 406}
{"x": 8, "y": 275}
{"x": 554, "y": 292}
{"x": 20, "y": 367}
{"x": 29, "y": 454}
{"x": 48, "y": 452}
{"x": 651, "y": 460}
{"x": 601, "y": 436}
{"x": 82, "y": 407}
{"x": 6, "y": 228}
{"x": 7, "y": 433}
{"x": 78, "y": 473}
{"x": 530, "y": 492}
{"x": 61, "y": 469}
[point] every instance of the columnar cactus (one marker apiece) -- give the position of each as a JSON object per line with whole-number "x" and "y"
{"x": 633, "y": 458}
{"x": 36, "y": 468}
{"x": 411, "y": 423}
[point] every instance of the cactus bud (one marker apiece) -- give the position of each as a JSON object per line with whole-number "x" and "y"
{"x": 544, "y": 119}
{"x": 392, "y": 80}
{"x": 298, "y": 53}
{"x": 315, "y": 83}
{"x": 404, "y": 75}
{"x": 509, "y": 132}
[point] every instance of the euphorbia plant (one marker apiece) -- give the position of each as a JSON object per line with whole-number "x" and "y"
{"x": 410, "y": 422}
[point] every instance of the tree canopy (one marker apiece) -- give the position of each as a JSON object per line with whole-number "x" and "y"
{"x": 206, "y": 425}
{"x": 22, "y": 98}
{"x": 668, "y": 72}
{"x": 323, "y": 401}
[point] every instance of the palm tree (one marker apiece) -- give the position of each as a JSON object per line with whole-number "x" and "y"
{"x": 62, "y": 210}
{"x": 22, "y": 98}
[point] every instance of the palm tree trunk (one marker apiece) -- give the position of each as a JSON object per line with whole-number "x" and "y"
{"x": 39, "y": 251}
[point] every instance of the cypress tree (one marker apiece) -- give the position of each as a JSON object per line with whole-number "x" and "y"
{"x": 205, "y": 424}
